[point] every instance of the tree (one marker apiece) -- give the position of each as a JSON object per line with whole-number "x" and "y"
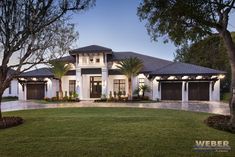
{"x": 209, "y": 52}
{"x": 29, "y": 29}
{"x": 130, "y": 67}
{"x": 59, "y": 69}
{"x": 144, "y": 88}
{"x": 182, "y": 21}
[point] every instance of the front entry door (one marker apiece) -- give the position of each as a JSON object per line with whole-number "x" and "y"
{"x": 95, "y": 86}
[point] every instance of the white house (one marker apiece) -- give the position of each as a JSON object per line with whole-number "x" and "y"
{"x": 12, "y": 90}
{"x": 95, "y": 73}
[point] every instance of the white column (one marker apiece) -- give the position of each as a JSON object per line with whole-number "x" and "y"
{"x": 184, "y": 91}
{"x": 79, "y": 84}
{"x": 156, "y": 90}
{"x": 104, "y": 81}
{"x": 214, "y": 92}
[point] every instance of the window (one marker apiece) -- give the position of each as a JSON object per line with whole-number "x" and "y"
{"x": 119, "y": 85}
{"x": 141, "y": 82}
{"x": 72, "y": 85}
{"x": 97, "y": 60}
{"x": 91, "y": 60}
{"x": 9, "y": 88}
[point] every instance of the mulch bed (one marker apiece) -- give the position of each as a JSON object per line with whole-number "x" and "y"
{"x": 7, "y": 122}
{"x": 220, "y": 122}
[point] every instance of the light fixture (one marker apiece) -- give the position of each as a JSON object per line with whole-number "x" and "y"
{"x": 171, "y": 78}
{"x": 221, "y": 76}
{"x": 185, "y": 77}
{"x": 199, "y": 77}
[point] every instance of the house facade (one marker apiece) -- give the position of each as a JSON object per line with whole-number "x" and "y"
{"x": 94, "y": 73}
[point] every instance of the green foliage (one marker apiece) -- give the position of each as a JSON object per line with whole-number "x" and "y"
{"x": 130, "y": 66}
{"x": 109, "y": 132}
{"x": 144, "y": 88}
{"x": 209, "y": 52}
{"x": 59, "y": 68}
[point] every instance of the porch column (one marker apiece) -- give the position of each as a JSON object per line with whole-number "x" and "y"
{"x": 184, "y": 91}
{"x": 79, "y": 85}
{"x": 105, "y": 81}
{"x": 156, "y": 89}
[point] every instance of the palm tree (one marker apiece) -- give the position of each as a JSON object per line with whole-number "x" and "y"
{"x": 144, "y": 88}
{"x": 59, "y": 69}
{"x": 130, "y": 67}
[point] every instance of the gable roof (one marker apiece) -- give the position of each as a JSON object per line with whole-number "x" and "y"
{"x": 91, "y": 49}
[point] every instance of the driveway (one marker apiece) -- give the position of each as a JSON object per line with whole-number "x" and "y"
{"x": 209, "y": 107}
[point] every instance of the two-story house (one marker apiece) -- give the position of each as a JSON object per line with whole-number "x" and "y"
{"x": 94, "y": 73}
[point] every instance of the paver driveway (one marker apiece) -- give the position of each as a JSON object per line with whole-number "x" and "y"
{"x": 209, "y": 107}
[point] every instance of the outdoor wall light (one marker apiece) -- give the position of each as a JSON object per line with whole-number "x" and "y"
{"x": 221, "y": 76}
{"x": 171, "y": 78}
{"x": 199, "y": 77}
{"x": 185, "y": 77}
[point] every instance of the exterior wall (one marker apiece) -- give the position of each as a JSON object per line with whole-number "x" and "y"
{"x": 14, "y": 89}
{"x": 215, "y": 94}
{"x": 156, "y": 90}
{"x": 65, "y": 83}
{"x": 184, "y": 91}
{"x": 110, "y": 82}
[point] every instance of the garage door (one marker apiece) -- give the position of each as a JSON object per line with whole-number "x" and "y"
{"x": 35, "y": 91}
{"x": 198, "y": 91}
{"x": 171, "y": 91}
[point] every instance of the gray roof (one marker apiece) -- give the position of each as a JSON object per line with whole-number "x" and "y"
{"x": 91, "y": 49}
{"x": 43, "y": 72}
{"x": 177, "y": 68}
{"x": 150, "y": 63}
{"x": 69, "y": 59}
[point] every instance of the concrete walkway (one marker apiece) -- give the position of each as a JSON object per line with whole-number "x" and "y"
{"x": 209, "y": 107}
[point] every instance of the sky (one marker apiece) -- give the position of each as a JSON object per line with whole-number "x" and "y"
{"x": 115, "y": 24}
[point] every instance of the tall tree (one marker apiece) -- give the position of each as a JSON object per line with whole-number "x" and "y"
{"x": 209, "y": 52}
{"x": 59, "y": 69}
{"x": 130, "y": 67}
{"x": 181, "y": 21}
{"x": 29, "y": 29}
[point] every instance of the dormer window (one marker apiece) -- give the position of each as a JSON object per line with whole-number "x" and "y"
{"x": 97, "y": 60}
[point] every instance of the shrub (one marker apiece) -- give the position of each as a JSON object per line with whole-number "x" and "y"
{"x": 65, "y": 98}
{"x": 47, "y": 99}
{"x": 54, "y": 98}
{"x": 7, "y": 122}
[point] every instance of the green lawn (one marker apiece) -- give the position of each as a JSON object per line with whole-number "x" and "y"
{"x": 78, "y": 132}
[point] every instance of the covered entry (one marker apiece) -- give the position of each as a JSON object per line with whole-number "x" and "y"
{"x": 35, "y": 91}
{"x": 171, "y": 90}
{"x": 198, "y": 91}
{"x": 95, "y": 86}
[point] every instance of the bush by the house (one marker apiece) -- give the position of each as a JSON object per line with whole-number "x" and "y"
{"x": 220, "y": 122}
{"x": 7, "y": 122}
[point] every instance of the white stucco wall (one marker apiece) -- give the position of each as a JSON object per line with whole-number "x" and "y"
{"x": 215, "y": 94}
{"x": 14, "y": 89}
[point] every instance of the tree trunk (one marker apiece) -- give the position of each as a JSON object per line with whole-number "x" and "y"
{"x": 230, "y": 45}
{"x": 1, "y": 105}
{"x": 60, "y": 89}
{"x": 129, "y": 89}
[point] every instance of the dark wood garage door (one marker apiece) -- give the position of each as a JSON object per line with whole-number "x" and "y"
{"x": 171, "y": 91}
{"x": 198, "y": 91}
{"x": 35, "y": 91}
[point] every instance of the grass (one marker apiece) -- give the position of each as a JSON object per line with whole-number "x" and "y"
{"x": 109, "y": 132}
{"x": 9, "y": 98}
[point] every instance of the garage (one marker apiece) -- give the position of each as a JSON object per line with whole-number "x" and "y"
{"x": 198, "y": 91}
{"x": 171, "y": 91}
{"x": 35, "y": 91}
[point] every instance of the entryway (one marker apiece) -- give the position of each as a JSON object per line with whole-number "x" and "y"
{"x": 95, "y": 86}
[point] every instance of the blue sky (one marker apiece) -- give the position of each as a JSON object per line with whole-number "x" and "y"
{"x": 114, "y": 24}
